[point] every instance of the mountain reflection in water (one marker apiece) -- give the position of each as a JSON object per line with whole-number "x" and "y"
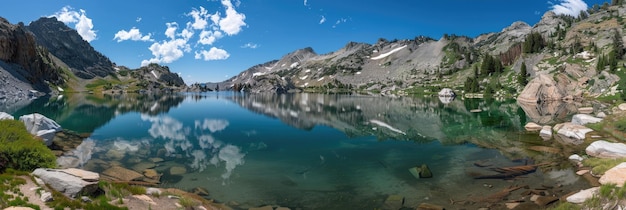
{"x": 312, "y": 151}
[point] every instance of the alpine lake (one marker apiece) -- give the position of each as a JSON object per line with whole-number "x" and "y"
{"x": 320, "y": 151}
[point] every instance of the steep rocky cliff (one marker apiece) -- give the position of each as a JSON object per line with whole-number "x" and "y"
{"x": 32, "y": 63}
{"x": 67, "y": 45}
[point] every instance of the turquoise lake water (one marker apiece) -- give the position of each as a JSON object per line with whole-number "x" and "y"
{"x": 308, "y": 151}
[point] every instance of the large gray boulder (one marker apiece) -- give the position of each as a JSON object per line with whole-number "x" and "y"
{"x": 6, "y": 116}
{"x": 540, "y": 89}
{"x": 605, "y": 149}
{"x": 583, "y": 119}
{"x": 71, "y": 182}
{"x": 41, "y": 126}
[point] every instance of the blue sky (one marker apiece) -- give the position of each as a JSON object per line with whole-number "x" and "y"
{"x": 212, "y": 40}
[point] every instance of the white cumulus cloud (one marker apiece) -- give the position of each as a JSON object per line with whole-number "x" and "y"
{"x": 305, "y": 3}
{"x": 170, "y": 32}
{"x": 250, "y": 45}
{"x": 234, "y": 21}
{"x": 209, "y": 37}
{"x": 83, "y": 24}
{"x": 212, "y": 54}
{"x": 569, "y": 7}
{"x": 167, "y": 51}
{"x": 133, "y": 34}
{"x": 200, "y": 18}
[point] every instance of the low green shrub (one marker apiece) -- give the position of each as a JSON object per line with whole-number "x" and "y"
{"x": 19, "y": 150}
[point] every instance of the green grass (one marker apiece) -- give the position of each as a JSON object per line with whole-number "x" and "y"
{"x": 601, "y": 165}
{"x": 20, "y": 151}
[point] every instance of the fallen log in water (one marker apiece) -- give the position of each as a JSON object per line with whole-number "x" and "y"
{"x": 511, "y": 172}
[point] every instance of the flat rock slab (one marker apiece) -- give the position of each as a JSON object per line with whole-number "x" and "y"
{"x": 583, "y": 195}
{"x": 571, "y": 130}
{"x": 615, "y": 175}
{"x": 122, "y": 174}
{"x": 531, "y": 126}
{"x": 583, "y": 119}
{"x": 83, "y": 174}
{"x": 605, "y": 149}
{"x": 68, "y": 184}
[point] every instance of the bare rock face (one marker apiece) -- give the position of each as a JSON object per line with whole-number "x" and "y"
{"x": 19, "y": 46}
{"x": 66, "y": 44}
{"x": 548, "y": 24}
{"x": 542, "y": 88}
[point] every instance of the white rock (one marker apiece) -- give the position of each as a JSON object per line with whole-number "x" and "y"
{"x": 46, "y": 196}
{"x": 601, "y": 115}
{"x": 153, "y": 191}
{"x": 605, "y": 149}
{"x": 41, "y": 126}
{"x": 585, "y": 110}
{"x": 68, "y": 184}
{"x": 576, "y": 157}
{"x": 583, "y": 119}
{"x": 615, "y": 175}
{"x": 583, "y": 195}
{"x": 546, "y": 132}
{"x": 576, "y": 132}
{"x": 6, "y": 116}
{"x": 622, "y": 107}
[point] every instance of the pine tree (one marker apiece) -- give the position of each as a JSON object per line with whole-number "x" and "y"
{"x": 522, "y": 79}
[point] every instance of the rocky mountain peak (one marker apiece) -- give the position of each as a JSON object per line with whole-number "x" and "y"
{"x": 548, "y": 23}
{"x": 67, "y": 45}
{"x": 517, "y": 26}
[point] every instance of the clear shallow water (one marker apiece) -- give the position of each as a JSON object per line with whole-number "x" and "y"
{"x": 306, "y": 151}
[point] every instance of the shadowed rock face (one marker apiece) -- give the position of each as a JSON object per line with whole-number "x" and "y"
{"x": 67, "y": 45}
{"x": 18, "y": 46}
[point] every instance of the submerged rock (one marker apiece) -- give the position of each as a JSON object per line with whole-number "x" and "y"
{"x": 178, "y": 170}
{"x": 393, "y": 202}
{"x": 122, "y": 174}
{"x": 425, "y": 172}
{"x": 605, "y": 149}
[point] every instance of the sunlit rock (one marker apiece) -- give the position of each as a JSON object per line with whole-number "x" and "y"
{"x": 583, "y": 119}
{"x": 605, "y": 149}
{"x": 531, "y": 126}
{"x": 70, "y": 182}
{"x": 622, "y": 107}
{"x": 585, "y": 110}
{"x": 41, "y": 126}
{"x": 615, "y": 175}
{"x": 393, "y": 202}
{"x": 572, "y": 131}
{"x": 546, "y": 132}
{"x": 178, "y": 170}
{"x": 121, "y": 174}
{"x": 583, "y": 195}
{"x": 6, "y": 116}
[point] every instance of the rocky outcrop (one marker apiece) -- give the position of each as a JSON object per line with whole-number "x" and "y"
{"x": 541, "y": 89}
{"x": 548, "y": 24}
{"x": 19, "y": 46}
{"x": 41, "y": 126}
{"x": 605, "y": 149}
{"x": 67, "y": 45}
{"x": 70, "y": 182}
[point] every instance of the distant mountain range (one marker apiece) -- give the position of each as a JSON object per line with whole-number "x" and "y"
{"x": 47, "y": 53}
